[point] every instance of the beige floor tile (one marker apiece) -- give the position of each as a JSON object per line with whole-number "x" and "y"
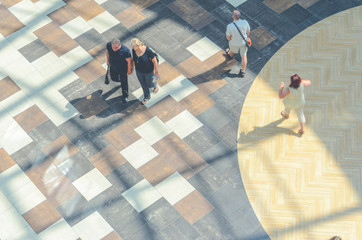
{"x": 193, "y": 207}
{"x": 35, "y": 114}
{"x": 157, "y": 170}
{"x": 89, "y": 10}
{"x": 55, "y": 39}
{"x": 7, "y": 88}
{"x": 107, "y": 160}
{"x": 197, "y": 102}
{"x": 8, "y": 22}
{"x": 63, "y": 15}
{"x": 167, "y": 109}
{"x": 6, "y": 161}
{"x": 42, "y": 216}
{"x": 130, "y": 16}
{"x": 60, "y": 150}
{"x": 90, "y": 71}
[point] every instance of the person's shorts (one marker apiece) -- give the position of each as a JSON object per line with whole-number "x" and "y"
{"x": 239, "y": 49}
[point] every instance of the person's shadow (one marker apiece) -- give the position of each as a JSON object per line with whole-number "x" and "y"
{"x": 268, "y": 131}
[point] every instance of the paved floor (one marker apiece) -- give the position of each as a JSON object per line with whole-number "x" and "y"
{"x": 74, "y": 157}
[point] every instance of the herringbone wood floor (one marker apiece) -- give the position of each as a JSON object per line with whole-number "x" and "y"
{"x": 308, "y": 187}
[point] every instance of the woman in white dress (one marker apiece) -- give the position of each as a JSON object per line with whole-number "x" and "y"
{"x": 294, "y": 98}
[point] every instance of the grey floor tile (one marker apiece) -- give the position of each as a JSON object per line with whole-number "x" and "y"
{"x": 232, "y": 175}
{"x": 214, "y": 118}
{"x": 223, "y": 13}
{"x": 160, "y": 41}
{"x": 127, "y": 221}
{"x": 215, "y": 226}
{"x": 176, "y": 54}
{"x": 124, "y": 177}
{"x": 106, "y": 121}
{"x": 76, "y": 91}
{"x": 91, "y": 143}
{"x": 226, "y": 96}
{"x": 160, "y": 214}
{"x": 109, "y": 202}
{"x": 324, "y": 9}
{"x": 253, "y": 8}
{"x": 220, "y": 157}
{"x": 214, "y": 31}
{"x": 75, "y": 166}
{"x": 75, "y": 209}
{"x": 90, "y": 39}
{"x": 180, "y": 230}
{"x": 201, "y": 140}
{"x": 228, "y": 134}
{"x": 245, "y": 220}
{"x": 207, "y": 181}
{"x": 45, "y": 134}
{"x": 157, "y": 10}
{"x": 119, "y": 31}
{"x": 75, "y": 127}
{"x": 270, "y": 20}
{"x": 145, "y": 232}
{"x": 114, "y": 6}
{"x": 296, "y": 14}
{"x": 210, "y": 4}
{"x": 227, "y": 199}
{"x": 29, "y": 156}
{"x": 34, "y": 50}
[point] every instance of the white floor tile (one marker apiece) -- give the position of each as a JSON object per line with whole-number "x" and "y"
{"x": 153, "y": 130}
{"x": 184, "y": 124}
{"x": 4, "y": 203}
{"x": 23, "y": 9}
{"x": 50, "y": 64}
{"x": 21, "y": 38}
{"x": 76, "y": 27}
{"x": 59, "y": 230}
{"x": 48, "y": 6}
{"x": 13, "y": 137}
{"x": 25, "y": 233}
{"x": 203, "y": 49}
{"x": 26, "y": 198}
{"x": 46, "y": 98}
{"x": 36, "y": 21}
{"x": 155, "y": 97}
{"x": 76, "y": 58}
{"x": 91, "y": 184}
{"x": 12, "y": 180}
{"x": 8, "y": 54}
{"x": 141, "y": 195}
{"x": 92, "y": 227}
{"x": 61, "y": 112}
{"x": 236, "y": 3}
{"x": 101, "y": 1}
{"x": 174, "y": 188}
{"x": 11, "y": 223}
{"x": 62, "y": 78}
{"x": 103, "y": 22}
{"x": 139, "y": 153}
{"x": 179, "y": 88}
{"x": 15, "y": 104}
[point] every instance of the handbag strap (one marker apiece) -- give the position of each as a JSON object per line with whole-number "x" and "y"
{"x": 240, "y": 33}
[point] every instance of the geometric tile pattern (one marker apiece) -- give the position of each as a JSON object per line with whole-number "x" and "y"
{"x": 73, "y": 155}
{"x": 308, "y": 187}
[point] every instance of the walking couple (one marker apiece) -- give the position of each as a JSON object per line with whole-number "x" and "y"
{"x": 122, "y": 64}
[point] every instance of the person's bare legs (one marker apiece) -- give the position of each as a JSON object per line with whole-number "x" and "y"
{"x": 286, "y": 116}
{"x": 244, "y": 61}
{"x": 301, "y": 130}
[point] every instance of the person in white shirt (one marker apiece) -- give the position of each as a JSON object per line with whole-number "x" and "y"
{"x": 294, "y": 98}
{"x": 236, "y": 42}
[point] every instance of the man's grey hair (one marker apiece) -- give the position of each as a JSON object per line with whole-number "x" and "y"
{"x": 236, "y": 14}
{"x": 116, "y": 41}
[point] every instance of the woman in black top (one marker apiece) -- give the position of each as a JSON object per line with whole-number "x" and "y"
{"x": 146, "y": 68}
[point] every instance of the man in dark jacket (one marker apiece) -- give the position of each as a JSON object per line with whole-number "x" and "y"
{"x": 119, "y": 60}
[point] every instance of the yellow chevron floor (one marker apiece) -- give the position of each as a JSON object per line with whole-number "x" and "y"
{"x": 308, "y": 187}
